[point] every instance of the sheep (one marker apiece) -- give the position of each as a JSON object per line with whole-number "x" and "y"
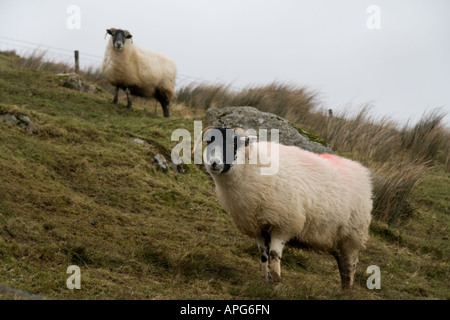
{"x": 320, "y": 202}
{"x": 138, "y": 71}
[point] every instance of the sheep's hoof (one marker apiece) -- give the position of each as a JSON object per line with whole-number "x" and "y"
{"x": 276, "y": 279}
{"x": 115, "y": 101}
{"x": 129, "y": 106}
{"x": 347, "y": 288}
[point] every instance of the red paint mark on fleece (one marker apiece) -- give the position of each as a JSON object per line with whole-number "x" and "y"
{"x": 335, "y": 160}
{"x": 328, "y": 156}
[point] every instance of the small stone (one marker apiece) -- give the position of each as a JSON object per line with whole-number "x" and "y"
{"x": 139, "y": 141}
{"x": 161, "y": 161}
{"x": 10, "y": 118}
{"x": 23, "y": 120}
{"x": 73, "y": 81}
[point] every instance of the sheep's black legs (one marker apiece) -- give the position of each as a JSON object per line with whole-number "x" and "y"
{"x": 116, "y": 95}
{"x": 129, "y": 104}
{"x": 263, "y": 245}
{"x": 161, "y": 96}
{"x": 271, "y": 249}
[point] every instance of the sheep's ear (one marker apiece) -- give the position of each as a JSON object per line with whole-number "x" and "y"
{"x": 128, "y": 35}
{"x": 109, "y": 31}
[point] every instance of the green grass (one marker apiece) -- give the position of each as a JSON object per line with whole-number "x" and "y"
{"x": 81, "y": 192}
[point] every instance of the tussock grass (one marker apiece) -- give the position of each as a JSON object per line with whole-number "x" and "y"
{"x": 426, "y": 138}
{"x": 393, "y": 184}
{"x": 282, "y": 99}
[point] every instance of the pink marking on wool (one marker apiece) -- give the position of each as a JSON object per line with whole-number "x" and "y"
{"x": 328, "y": 156}
{"x": 335, "y": 160}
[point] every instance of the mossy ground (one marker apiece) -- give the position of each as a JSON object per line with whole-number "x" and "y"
{"x": 81, "y": 192}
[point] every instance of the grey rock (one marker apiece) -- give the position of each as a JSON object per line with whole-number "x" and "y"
{"x": 139, "y": 141}
{"x": 9, "y": 118}
{"x": 251, "y": 118}
{"x": 161, "y": 161}
{"x": 165, "y": 164}
{"x": 21, "y": 120}
{"x": 73, "y": 81}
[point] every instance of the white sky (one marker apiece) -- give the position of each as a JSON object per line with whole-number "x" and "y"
{"x": 402, "y": 69}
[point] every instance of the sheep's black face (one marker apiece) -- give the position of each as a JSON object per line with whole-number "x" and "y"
{"x": 119, "y": 37}
{"x": 221, "y": 149}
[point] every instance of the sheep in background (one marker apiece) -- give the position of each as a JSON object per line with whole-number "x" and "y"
{"x": 322, "y": 202}
{"x": 138, "y": 71}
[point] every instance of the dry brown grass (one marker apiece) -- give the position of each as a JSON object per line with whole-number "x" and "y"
{"x": 393, "y": 182}
{"x": 285, "y": 100}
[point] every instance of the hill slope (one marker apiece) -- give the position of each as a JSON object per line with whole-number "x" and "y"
{"x": 79, "y": 191}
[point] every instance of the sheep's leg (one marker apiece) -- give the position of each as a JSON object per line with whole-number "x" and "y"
{"x": 347, "y": 266}
{"x": 116, "y": 95}
{"x": 263, "y": 245}
{"x": 161, "y": 96}
{"x": 339, "y": 260}
{"x": 128, "y": 92}
{"x": 275, "y": 252}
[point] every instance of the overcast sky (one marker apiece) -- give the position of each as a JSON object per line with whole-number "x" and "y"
{"x": 401, "y": 69}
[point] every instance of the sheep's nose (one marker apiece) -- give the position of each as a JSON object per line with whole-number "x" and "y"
{"x": 214, "y": 163}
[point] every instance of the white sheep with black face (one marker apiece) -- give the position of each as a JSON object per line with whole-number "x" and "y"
{"x": 138, "y": 71}
{"x": 322, "y": 202}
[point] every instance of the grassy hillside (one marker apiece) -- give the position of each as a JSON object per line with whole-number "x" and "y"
{"x": 79, "y": 191}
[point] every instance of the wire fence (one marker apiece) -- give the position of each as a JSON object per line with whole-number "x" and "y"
{"x": 51, "y": 53}
{"x": 86, "y": 60}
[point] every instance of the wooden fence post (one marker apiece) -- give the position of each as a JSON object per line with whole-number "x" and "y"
{"x": 77, "y": 61}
